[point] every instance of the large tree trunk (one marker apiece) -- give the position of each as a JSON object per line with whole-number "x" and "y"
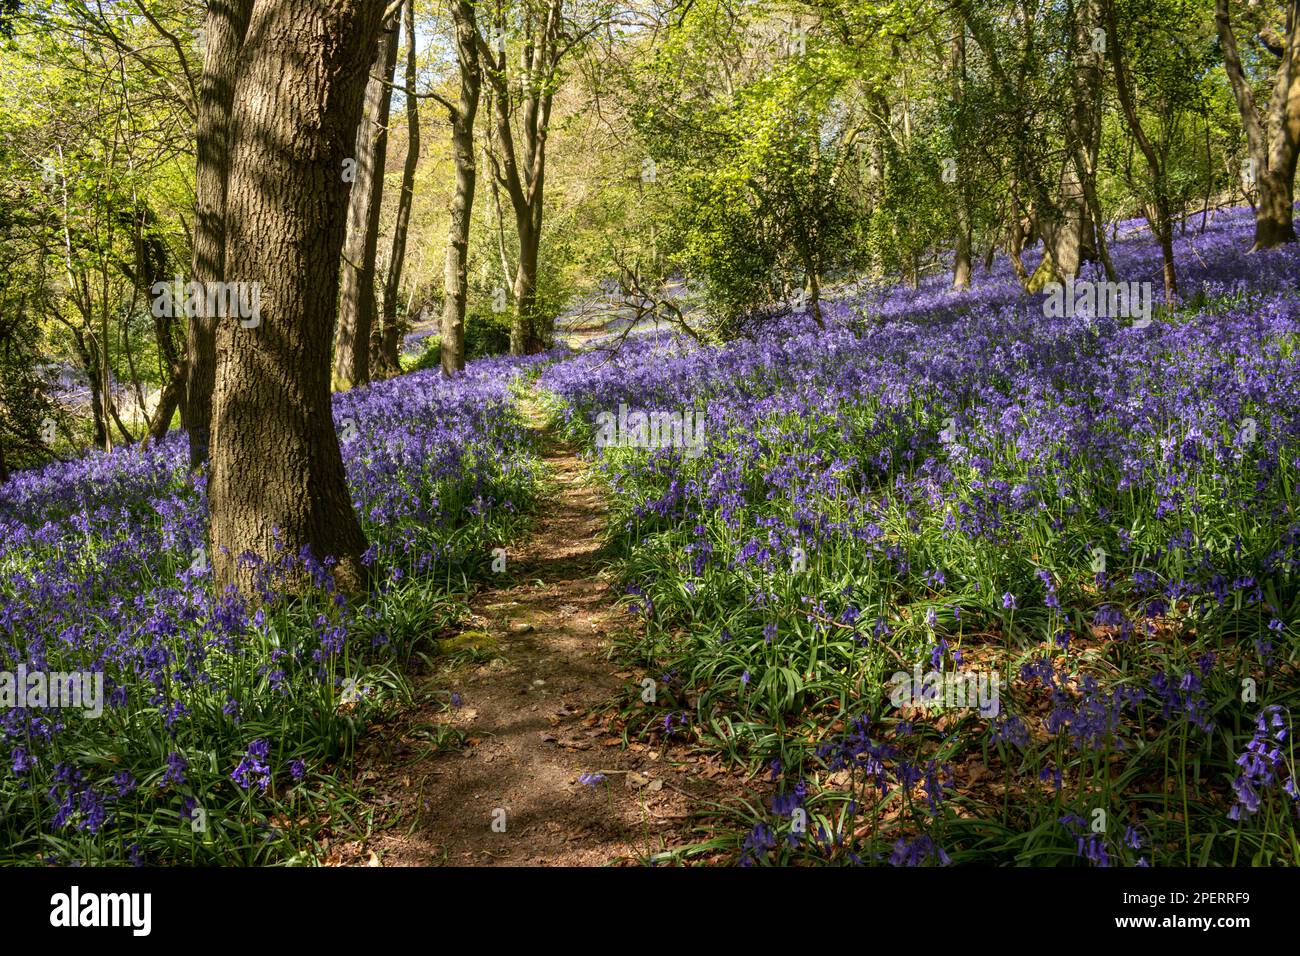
{"x": 455, "y": 279}
{"x": 358, "y": 306}
{"x": 387, "y": 353}
{"x": 224, "y": 30}
{"x": 1275, "y": 214}
{"x": 277, "y": 484}
{"x": 1274, "y": 149}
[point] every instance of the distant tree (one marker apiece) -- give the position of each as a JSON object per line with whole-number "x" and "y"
{"x": 758, "y": 156}
{"x": 358, "y": 299}
{"x": 385, "y": 339}
{"x": 462, "y": 114}
{"x": 523, "y": 49}
{"x": 1157, "y": 83}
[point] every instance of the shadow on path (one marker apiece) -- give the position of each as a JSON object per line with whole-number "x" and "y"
{"x": 532, "y": 720}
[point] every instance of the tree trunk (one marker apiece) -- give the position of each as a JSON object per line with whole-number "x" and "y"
{"x": 1274, "y": 222}
{"x": 1068, "y": 229}
{"x": 523, "y": 331}
{"x": 1275, "y": 214}
{"x": 151, "y": 268}
{"x": 106, "y": 382}
{"x": 1273, "y": 150}
{"x": 1161, "y": 222}
{"x": 224, "y": 30}
{"x": 89, "y": 356}
{"x": 1016, "y": 231}
{"x": 961, "y": 264}
{"x": 499, "y": 225}
{"x": 390, "y": 346}
{"x": 1166, "y": 236}
{"x": 358, "y": 306}
{"x": 277, "y": 484}
{"x": 168, "y": 402}
{"x": 1098, "y": 248}
{"x": 542, "y": 52}
{"x": 387, "y": 353}
{"x": 815, "y": 295}
{"x": 455, "y": 279}
{"x": 961, "y": 268}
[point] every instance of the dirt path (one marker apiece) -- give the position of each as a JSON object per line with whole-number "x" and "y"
{"x": 534, "y": 717}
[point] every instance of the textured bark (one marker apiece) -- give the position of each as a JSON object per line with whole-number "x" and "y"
{"x": 455, "y": 279}
{"x": 358, "y": 306}
{"x": 224, "y": 30}
{"x": 1274, "y": 149}
{"x": 277, "y": 480}
{"x": 387, "y": 351}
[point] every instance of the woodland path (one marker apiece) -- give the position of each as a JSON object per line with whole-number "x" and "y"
{"x": 534, "y": 711}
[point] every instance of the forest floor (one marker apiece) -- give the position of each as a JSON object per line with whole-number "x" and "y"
{"x": 535, "y": 712}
